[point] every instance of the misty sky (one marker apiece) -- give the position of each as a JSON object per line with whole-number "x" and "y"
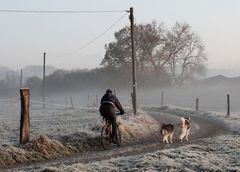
{"x": 24, "y": 37}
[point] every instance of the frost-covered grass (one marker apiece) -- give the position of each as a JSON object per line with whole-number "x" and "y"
{"x": 221, "y": 153}
{"x": 53, "y": 121}
{"x": 57, "y": 132}
{"x": 232, "y": 122}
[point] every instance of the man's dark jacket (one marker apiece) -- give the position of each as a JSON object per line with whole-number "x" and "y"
{"x": 107, "y": 105}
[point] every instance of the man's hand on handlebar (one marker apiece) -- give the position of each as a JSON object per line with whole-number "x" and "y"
{"x": 120, "y": 113}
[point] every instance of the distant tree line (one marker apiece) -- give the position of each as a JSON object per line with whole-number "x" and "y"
{"x": 9, "y": 85}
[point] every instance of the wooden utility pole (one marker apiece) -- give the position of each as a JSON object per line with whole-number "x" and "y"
{"x": 25, "y": 119}
{"x": 43, "y": 81}
{"x": 21, "y": 78}
{"x": 133, "y": 61}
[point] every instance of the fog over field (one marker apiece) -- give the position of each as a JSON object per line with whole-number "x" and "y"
{"x": 163, "y": 60}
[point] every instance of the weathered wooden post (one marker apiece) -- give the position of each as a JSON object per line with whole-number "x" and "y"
{"x": 134, "y": 61}
{"x": 228, "y": 105}
{"x": 115, "y": 92}
{"x": 66, "y": 101}
{"x": 21, "y": 78}
{"x": 197, "y": 101}
{"x": 132, "y": 101}
{"x": 25, "y": 119}
{"x": 71, "y": 102}
{"x": 10, "y": 100}
{"x": 162, "y": 99}
{"x": 44, "y": 81}
{"x": 97, "y": 100}
{"x": 88, "y": 103}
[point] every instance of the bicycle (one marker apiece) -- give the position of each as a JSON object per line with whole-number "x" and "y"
{"x": 106, "y": 133}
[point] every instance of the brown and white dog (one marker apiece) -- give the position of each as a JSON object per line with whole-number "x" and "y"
{"x": 167, "y": 130}
{"x": 184, "y": 128}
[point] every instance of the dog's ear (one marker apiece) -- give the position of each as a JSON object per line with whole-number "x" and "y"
{"x": 187, "y": 118}
{"x": 182, "y": 119}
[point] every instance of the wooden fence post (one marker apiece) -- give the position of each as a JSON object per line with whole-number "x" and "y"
{"x": 197, "y": 103}
{"x": 66, "y": 101}
{"x": 71, "y": 102}
{"x": 162, "y": 99}
{"x": 10, "y": 100}
{"x": 88, "y": 103}
{"x": 25, "y": 119}
{"x": 97, "y": 100}
{"x": 228, "y": 105}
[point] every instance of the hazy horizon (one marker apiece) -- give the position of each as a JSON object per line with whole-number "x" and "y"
{"x": 24, "y": 37}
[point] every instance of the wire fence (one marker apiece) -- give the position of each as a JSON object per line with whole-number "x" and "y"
{"x": 69, "y": 116}
{"x": 53, "y": 119}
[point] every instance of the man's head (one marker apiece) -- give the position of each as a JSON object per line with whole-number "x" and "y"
{"x": 109, "y": 92}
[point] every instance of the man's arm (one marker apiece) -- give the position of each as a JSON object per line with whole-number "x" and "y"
{"x": 119, "y": 106}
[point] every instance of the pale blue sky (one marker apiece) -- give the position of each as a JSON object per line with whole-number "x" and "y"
{"x": 24, "y": 37}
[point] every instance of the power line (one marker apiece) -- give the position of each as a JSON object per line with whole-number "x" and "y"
{"x": 90, "y": 42}
{"x": 60, "y": 11}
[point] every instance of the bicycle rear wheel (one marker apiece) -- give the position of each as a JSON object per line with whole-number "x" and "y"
{"x": 106, "y": 136}
{"x": 119, "y": 137}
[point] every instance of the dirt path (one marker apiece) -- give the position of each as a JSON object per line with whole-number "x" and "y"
{"x": 201, "y": 128}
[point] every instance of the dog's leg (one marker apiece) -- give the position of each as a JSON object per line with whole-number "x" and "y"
{"x": 181, "y": 136}
{"x": 166, "y": 139}
{"x": 187, "y": 134}
{"x": 171, "y": 138}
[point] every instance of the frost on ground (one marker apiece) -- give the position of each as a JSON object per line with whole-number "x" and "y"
{"x": 58, "y": 132}
{"x": 221, "y": 153}
{"x": 232, "y": 122}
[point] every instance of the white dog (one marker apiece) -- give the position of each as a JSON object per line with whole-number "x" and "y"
{"x": 185, "y": 128}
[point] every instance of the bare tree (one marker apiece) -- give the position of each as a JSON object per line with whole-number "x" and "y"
{"x": 148, "y": 38}
{"x": 185, "y": 53}
{"x": 118, "y": 53}
{"x": 178, "y": 50}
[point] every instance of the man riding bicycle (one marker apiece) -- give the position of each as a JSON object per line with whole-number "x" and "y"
{"x": 107, "y": 110}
